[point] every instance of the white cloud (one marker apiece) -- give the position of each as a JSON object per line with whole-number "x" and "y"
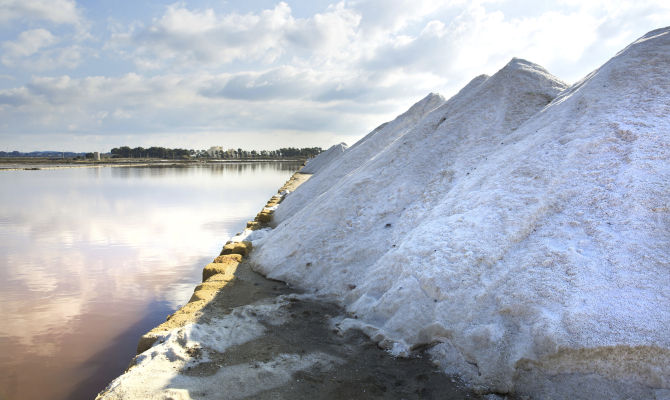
{"x": 340, "y": 71}
{"x": 182, "y": 37}
{"x": 180, "y": 108}
{"x": 56, "y": 11}
{"x": 28, "y": 43}
{"x": 39, "y": 48}
{"x": 284, "y": 82}
{"x": 396, "y": 15}
{"x": 570, "y": 40}
{"x": 34, "y": 50}
{"x": 448, "y": 42}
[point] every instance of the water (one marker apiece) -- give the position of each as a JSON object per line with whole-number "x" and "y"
{"x": 91, "y": 258}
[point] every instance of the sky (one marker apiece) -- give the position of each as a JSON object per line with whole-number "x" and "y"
{"x": 90, "y": 75}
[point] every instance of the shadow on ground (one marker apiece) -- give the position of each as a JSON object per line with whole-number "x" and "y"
{"x": 363, "y": 370}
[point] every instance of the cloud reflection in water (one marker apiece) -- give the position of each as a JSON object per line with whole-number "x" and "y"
{"x": 109, "y": 245}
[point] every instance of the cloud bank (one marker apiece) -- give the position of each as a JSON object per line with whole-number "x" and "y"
{"x": 76, "y": 76}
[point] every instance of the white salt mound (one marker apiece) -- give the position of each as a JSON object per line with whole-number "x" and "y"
{"x": 524, "y": 234}
{"x": 317, "y": 163}
{"x": 355, "y": 156}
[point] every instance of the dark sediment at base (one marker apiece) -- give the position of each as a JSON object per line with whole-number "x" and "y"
{"x": 368, "y": 372}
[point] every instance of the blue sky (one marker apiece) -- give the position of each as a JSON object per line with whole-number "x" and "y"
{"x": 91, "y": 75}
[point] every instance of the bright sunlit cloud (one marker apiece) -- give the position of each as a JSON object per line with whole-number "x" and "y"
{"x": 89, "y": 76}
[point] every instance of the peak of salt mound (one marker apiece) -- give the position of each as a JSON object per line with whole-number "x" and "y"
{"x": 315, "y": 164}
{"x": 520, "y": 63}
{"x": 363, "y": 150}
{"x": 390, "y": 177}
{"x": 648, "y": 41}
{"x": 531, "y": 74}
{"x": 635, "y": 69}
{"x": 509, "y": 97}
{"x": 429, "y": 102}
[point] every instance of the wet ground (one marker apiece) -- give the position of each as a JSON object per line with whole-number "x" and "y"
{"x": 362, "y": 370}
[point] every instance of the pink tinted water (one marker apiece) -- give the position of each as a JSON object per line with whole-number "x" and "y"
{"x": 91, "y": 258}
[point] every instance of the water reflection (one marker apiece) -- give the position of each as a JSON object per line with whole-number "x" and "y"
{"x": 222, "y": 168}
{"x": 90, "y": 257}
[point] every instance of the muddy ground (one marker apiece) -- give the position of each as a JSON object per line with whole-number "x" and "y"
{"x": 367, "y": 372}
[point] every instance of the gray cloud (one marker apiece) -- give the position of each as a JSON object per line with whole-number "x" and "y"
{"x": 205, "y": 74}
{"x": 168, "y": 104}
{"x": 14, "y": 97}
{"x": 286, "y": 83}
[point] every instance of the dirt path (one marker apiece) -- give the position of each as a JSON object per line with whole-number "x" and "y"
{"x": 367, "y": 371}
{"x": 348, "y": 366}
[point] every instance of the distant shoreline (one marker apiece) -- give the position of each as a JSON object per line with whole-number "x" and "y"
{"x": 28, "y": 164}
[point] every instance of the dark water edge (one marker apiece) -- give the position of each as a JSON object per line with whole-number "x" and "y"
{"x": 112, "y": 361}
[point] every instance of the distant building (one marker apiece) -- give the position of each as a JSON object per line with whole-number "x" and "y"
{"x": 231, "y": 153}
{"x": 215, "y": 151}
{"x": 96, "y": 156}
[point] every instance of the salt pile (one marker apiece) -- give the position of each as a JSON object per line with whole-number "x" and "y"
{"x": 323, "y": 159}
{"x": 522, "y": 232}
{"x": 356, "y": 155}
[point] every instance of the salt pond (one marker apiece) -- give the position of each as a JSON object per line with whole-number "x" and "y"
{"x": 91, "y": 258}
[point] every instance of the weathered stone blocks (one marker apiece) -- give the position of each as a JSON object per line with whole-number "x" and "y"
{"x": 243, "y": 248}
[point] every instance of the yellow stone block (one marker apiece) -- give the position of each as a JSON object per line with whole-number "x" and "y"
{"x": 242, "y": 248}
{"x": 254, "y": 225}
{"x": 227, "y": 270}
{"x": 207, "y": 290}
{"x": 228, "y": 259}
{"x": 264, "y": 217}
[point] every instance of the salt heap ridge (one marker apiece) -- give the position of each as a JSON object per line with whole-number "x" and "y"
{"x": 522, "y": 232}
{"x": 355, "y": 156}
{"x": 323, "y": 159}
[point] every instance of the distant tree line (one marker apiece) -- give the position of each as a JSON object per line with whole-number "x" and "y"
{"x": 216, "y": 152}
{"x": 303, "y": 152}
{"x": 50, "y": 154}
{"x": 151, "y": 152}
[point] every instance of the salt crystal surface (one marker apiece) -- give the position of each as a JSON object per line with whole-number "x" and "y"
{"x": 354, "y": 157}
{"x": 320, "y": 161}
{"x": 521, "y": 225}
